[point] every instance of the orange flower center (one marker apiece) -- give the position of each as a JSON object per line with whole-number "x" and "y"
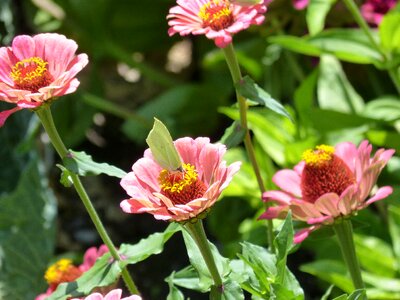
{"x": 181, "y": 186}
{"x": 216, "y": 14}
{"x": 62, "y": 271}
{"x": 323, "y": 173}
{"x": 30, "y": 74}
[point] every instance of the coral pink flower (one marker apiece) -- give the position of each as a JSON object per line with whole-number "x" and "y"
{"x": 112, "y": 295}
{"x": 329, "y": 183}
{"x": 64, "y": 271}
{"x": 36, "y": 69}
{"x": 179, "y": 196}
{"x": 374, "y": 10}
{"x": 216, "y": 19}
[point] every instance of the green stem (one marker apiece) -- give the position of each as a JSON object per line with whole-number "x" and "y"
{"x": 353, "y": 8}
{"x": 196, "y": 231}
{"x": 234, "y": 69}
{"x": 344, "y": 233}
{"x": 46, "y": 118}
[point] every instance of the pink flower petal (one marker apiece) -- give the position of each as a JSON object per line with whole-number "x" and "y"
{"x": 6, "y": 113}
{"x": 289, "y": 181}
{"x": 381, "y": 193}
{"x": 302, "y": 234}
{"x": 328, "y": 204}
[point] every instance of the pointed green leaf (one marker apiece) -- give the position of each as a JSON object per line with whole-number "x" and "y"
{"x": 283, "y": 243}
{"x": 174, "y": 292}
{"x": 65, "y": 178}
{"x": 389, "y": 32}
{"x": 250, "y": 90}
{"x": 233, "y": 135}
{"x": 162, "y": 147}
{"x": 82, "y": 164}
{"x": 317, "y": 11}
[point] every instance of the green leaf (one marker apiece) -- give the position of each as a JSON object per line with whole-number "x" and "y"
{"x": 153, "y": 244}
{"x": 231, "y": 291}
{"x": 188, "y": 278}
{"x": 27, "y": 234}
{"x": 317, "y": 11}
{"x": 82, "y": 164}
{"x": 357, "y": 295}
{"x": 250, "y": 90}
{"x": 389, "y": 32}
{"x": 65, "y": 178}
{"x": 197, "y": 261}
{"x": 233, "y": 135}
{"x": 375, "y": 255}
{"x": 350, "y": 45}
{"x": 162, "y": 147}
{"x": 174, "y": 292}
{"x": 335, "y": 92}
{"x": 384, "y": 108}
{"x": 304, "y": 97}
{"x": 332, "y": 271}
{"x": 283, "y": 243}
{"x": 394, "y": 229}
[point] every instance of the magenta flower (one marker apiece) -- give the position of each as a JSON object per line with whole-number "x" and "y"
{"x": 36, "y": 69}
{"x": 216, "y": 19}
{"x": 329, "y": 183}
{"x": 90, "y": 257}
{"x": 113, "y": 295}
{"x": 179, "y": 196}
{"x": 374, "y": 10}
{"x": 300, "y": 4}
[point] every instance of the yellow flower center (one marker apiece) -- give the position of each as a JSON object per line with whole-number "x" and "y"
{"x": 216, "y": 14}
{"x": 323, "y": 173}
{"x": 30, "y": 74}
{"x": 62, "y": 271}
{"x": 181, "y": 186}
{"x": 319, "y": 156}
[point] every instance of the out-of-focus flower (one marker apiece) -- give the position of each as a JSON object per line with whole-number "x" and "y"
{"x": 112, "y": 295}
{"x": 36, "y": 69}
{"x": 179, "y": 195}
{"x": 300, "y": 4}
{"x": 374, "y": 10}
{"x": 328, "y": 183}
{"x": 65, "y": 271}
{"x": 216, "y": 19}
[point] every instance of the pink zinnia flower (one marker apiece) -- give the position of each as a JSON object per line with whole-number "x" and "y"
{"x": 65, "y": 271}
{"x": 374, "y": 10}
{"x": 112, "y": 295}
{"x": 329, "y": 183}
{"x": 36, "y": 69}
{"x": 179, "y": 196}
{"x": 216, "y": 19}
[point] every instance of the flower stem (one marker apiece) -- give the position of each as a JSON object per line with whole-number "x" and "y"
{"x": 46, "y": 118}
{"x": 353, "y": 8}
{"x": 344, "y": 233}
{"x": 196, "y": 231}
{"x": 234, "y": 69}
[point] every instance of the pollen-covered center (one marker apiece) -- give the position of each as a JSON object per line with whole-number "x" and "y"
{"x": 216, "y": 14}
{"x": 181, "y": 186}
{"x": 62, "y": 271}
{"x": 323, "y": 173}
{"x": 31, "y": 74}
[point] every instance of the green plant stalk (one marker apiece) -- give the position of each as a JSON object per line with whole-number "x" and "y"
{"x": 353, "y": 8}
{"x": 196, "y": 231}
{"x": 344, "y": 233}
{"x": 46, "y": 118}
{"x": 234, "y": 69}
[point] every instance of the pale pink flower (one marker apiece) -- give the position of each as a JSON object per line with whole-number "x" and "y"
{"x": 112, "y": 295}
{"x": 374, "y": 10}
{"x": 329, "y": 183}
{"x": 36, "y": 69}
{"x": 216, "y": 19}
{"x": 179, "y": 196}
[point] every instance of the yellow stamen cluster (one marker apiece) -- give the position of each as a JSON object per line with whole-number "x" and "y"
{"x": 28, "y": 70}
{"x": 176, "y": 181}
{"x": 56, "y": 270}
{"x": 320, "y": 155}
{"x": 214, "y": 10}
